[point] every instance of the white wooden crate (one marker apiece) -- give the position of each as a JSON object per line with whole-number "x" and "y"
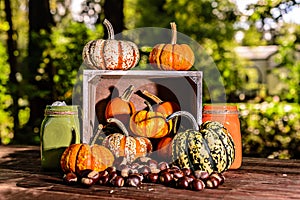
{"x": 100, "y": 86}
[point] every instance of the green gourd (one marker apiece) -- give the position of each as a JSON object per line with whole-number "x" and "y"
{"x": 209, "y": 147}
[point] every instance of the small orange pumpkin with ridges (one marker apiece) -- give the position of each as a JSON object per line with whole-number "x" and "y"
{"x": 78, "y": 157}
{"x": 149, "y": 123}
{"x": 172, "y": 56}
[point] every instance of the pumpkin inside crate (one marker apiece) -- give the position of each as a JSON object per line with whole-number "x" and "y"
{"x": 150, "y": 123}
{"x": 121, "y": 107}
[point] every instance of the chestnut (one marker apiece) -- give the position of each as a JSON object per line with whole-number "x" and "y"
{"x": 186, "y": 171}
{"x": 177, "y": 174}
{"x": 143, "y": 159}
{"x": 87, "y": 181}
{"x": 219, "y": 176}
{"x": 144, "y": 169}
{"x": 183, "y": 183}
{"x": 89, "y": 174}
{"x": 94, "y": 175}
{"x": 174, "y": 167}
{"x": 111, "y": 169}
{"x": 165, "y": 178}
{"x": 152, "y": 164}
{"x": 103, "y": 180}
{"x": 152, "y": 177}
{"x": 203, "y": 175}
{"x": 117, "y": 181}
{"x": 165, "y": 170}
{"x": 133, "y": 171}
{"x": 141, "y": 176}
{"x": 70, "y": 178}
{"x": 133, "y": 180}
{"x": 112, "y": 175}
{"x": 125, "y": 172}
{"x": 154, "y": 170}
{"x": 190, "y": 178}
{"x": 163, "y": 165}
{"x": 103, "y": 177}
{"x": 197, "y": 185}
{"x": 212, "y": 182}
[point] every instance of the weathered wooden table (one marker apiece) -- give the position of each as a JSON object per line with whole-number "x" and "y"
{"x": 258, "y": 178}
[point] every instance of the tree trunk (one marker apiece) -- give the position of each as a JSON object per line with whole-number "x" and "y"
{"x": 113, "y": 12}
{"x": 40, "y": 21}
{"x": 12, "y": 60}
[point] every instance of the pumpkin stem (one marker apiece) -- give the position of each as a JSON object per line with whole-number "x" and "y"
{"x": 110, "y": 29}
{"x": 127, "y": 93}
{"x": 119, "y": 124}
{"x": 174, "y": 33}
{"x": 149, "y": 106}
{"x": 152, "y": 97}
{"x": 185, "y": 114}
{"x": 99, "y": 131}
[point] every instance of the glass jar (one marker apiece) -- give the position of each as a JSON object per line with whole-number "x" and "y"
{"x": 59, "y": 129}
{"x": 228, "y": 116}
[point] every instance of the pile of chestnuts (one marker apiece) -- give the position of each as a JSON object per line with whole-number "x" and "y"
{"x": 147, "y": 170}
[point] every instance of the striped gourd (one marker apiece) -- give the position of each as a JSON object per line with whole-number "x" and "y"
{"x": 208, "y": 148}
{"x": 123, "y": 145}
{"x": 110, "y": 54}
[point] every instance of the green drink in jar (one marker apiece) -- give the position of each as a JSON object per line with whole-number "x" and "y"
{"x": 59, "y": 129}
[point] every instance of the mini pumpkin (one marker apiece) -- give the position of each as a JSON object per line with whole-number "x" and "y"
{"x": 150, "y": 124}
{"x": 121, "y": 107}
{"x": 166, "y": 107}
{"x": 164, "y": 149}
{"x": 78, "y": 157}
{"x": 172, "y": 56}
{"x": 123, "y": 145}
{"x": 210, "y": 148}
{"x": 110, "y": 54}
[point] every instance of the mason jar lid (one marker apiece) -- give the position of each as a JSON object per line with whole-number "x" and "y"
{"x": 61, "y": 110}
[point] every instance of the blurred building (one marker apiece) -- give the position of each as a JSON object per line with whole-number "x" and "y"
{"x": 262, "y": 72}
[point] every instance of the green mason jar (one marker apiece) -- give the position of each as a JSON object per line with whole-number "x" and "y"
{"x": 59, "y": 129}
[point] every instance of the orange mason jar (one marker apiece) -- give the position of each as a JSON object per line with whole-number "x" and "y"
{"x": 228, "y": 116}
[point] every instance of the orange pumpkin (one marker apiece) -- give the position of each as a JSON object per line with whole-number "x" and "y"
{"x": 150, "y": 124}
{"x": 172, "y": 56}
{"x": 123, "y": 145}
{"x": 121, "y": 107}
{"x": 166, "y": 107}
{"x": 110, "y": 54}
{"x": 164, "y": 149}
{"x": 78, "y": 157}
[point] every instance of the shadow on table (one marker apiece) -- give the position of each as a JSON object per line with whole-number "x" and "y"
{"x": 25, "y": 160}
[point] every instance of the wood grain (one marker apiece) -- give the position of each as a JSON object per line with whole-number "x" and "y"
{"x": 22, "y": 178}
